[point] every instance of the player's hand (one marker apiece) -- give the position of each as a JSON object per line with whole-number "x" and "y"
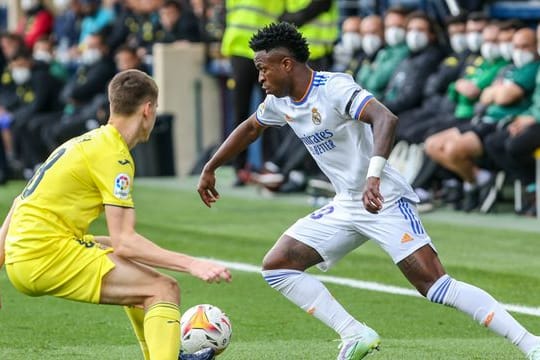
{"x": 207, "y": 188}
{"x": 209, "y": 271}
{"x": 372, "y": 197}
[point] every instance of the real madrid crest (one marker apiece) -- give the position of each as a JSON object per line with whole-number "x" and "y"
{"x": 316, "y": 116}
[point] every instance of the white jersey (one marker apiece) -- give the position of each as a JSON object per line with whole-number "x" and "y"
{"x": 326, "y": 119}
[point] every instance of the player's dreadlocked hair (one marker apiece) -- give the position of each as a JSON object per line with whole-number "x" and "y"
{"x": 283, "y": 35}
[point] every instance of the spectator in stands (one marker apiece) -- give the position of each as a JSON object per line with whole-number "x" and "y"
{"x": 178, "y": 23}
{"x": 97, "y": 16}
{"x": 388, "y": 58}
{"x": 67, "y": 30}
{"x": 43, "y": 54}
{"x": 83, "y": 94}
{"x": 404, "y": 88}
{"x": 372, "y": 32}
{"x": 36, "y": 93}
{"x": 36, "y": 22}
{"x": 10, "y": 44}
{"x": 508, "y": 96}
{"x": 507, "y": 31}
{"x": 348, "y": 53}
{"x": 511, "y": 149}
{"x": 126, "y": 58}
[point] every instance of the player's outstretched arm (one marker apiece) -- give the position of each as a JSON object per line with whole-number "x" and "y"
{"x": 384, "y": 123}
{"x": 130, "y": 245}
{"x": 237, "y": 141}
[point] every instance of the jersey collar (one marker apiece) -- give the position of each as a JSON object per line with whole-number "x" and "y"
{"x": 308, "y": 90}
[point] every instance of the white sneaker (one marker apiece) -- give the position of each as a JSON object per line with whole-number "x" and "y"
{"x": 534, "y": 354}
{"x": 357, "y": 347}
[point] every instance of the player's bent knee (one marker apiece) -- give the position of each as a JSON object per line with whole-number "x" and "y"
{"x": 167, "y": 289}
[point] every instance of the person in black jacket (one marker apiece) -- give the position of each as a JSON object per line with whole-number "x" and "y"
{"x": 178, "y": 23}
{"x": 402, "y": 92}
{"x": 35, "y": 94}
{"x": 83, "y": 94}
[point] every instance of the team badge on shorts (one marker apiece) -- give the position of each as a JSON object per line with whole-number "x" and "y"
{"x": 122, "y": 185}
{"x": 316, "y": 116}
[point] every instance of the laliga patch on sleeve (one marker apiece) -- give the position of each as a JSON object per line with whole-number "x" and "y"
{"x": 260, "y": 110}
{"x": 122, "y": 185}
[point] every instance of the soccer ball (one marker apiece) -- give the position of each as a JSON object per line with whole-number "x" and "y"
{"x": 204, "y": 326}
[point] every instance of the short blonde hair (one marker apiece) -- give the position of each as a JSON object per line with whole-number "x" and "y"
{"x": 129, "y": 89}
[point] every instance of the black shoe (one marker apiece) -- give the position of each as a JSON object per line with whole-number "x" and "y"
{"x": 452, "y": 194}
{"x": 470, "y": 200}
{"x": 204, "y": 354}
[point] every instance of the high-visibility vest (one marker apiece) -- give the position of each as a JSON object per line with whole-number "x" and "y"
{"x": 321, "y": 32}
{"x": 243, "y": 19}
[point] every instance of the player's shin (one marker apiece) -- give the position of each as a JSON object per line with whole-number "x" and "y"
{"x": 313, "y": 297}
{"x": 136, "y": 316}
{"x": 162, "y": 331}
{"x": 483, "y": 308}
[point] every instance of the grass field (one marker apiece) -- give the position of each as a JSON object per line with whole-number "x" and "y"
{"x": 496, "y": 256}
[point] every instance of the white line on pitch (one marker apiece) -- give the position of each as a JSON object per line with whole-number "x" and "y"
{"x": 373, "y": 286}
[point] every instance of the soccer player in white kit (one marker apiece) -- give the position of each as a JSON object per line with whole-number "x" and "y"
{"x": 350, "y": 135}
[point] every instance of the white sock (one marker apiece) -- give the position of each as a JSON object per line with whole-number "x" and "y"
{"x": 313, "y": 297}
{"x": 483, "y": 308}
{"x": 468, "y": 186}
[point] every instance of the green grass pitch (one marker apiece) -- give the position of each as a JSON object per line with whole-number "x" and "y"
{"x": 503, "y": 261}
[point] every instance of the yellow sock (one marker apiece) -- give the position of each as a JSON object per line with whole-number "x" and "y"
{"x": 162, "y": 331}
{"x": 136, "y": 316}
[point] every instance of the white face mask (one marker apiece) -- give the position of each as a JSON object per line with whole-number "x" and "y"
{"x": 417, "y": 40}
{"x": 20, "y": 75}
{"x": 474, "y": 41}
{"x": 28, "y": 4}
{"x": 505, "y": 49}
{"x": 490, "y": 51}
{"x": 351, "y": 41}
{"x": 91, "y": 56}
{"x": 394, "y": 35}
{"x": 458, "y": 42}
{"x": 371, "y": 43}
{"x": 42, "y": 55}
{"x": 522, "y": 57}
{"x": 61, "y": 4}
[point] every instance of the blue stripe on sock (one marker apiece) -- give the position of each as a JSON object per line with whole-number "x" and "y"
{"x": 276, "y": 279}
{"x": 440, "y": 292}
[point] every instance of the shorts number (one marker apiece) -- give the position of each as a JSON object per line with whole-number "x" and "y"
{"x": 320, "y": 213}
{"x": 38, "y": 176}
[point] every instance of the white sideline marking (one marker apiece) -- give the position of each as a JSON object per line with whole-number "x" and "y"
{"x": 373, "y": 286}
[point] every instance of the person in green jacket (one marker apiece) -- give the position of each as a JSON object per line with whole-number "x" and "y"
{"x": 374, "y": 75}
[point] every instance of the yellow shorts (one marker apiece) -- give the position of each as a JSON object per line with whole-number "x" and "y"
{"x": 76, "y": 272}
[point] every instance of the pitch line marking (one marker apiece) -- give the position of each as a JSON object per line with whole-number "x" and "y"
{"x": 372, "y": 286}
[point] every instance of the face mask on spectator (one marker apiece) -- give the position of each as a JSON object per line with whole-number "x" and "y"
{"x": 417, "y": 40}
{"x": 490, "y": 51}
{"x": 458, "y": 42}
{"x": 20, "y": 75}
{"x": 522, "y": 57}
{"x": 394, "y": 35}
{"x": 474, "y": 41}
{"x": 61, "y": 4}
{"x": 28, "y": 4}
{"x": 505, "y": 49}
{"x": 371, "y": 43}
{"x": 42, "y": 55}
{"x": 90, "y": 56}
{"x": 351, "y": 41}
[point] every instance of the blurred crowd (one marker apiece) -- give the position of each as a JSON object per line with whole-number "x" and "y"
{"x": 464, "y": 86}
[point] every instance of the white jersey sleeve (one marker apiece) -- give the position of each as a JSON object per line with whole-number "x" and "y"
{"x": 268, "y": 114}
{"x": 349, "y": 97}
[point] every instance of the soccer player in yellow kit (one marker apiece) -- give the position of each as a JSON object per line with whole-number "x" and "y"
{"x": 48, "y": 250}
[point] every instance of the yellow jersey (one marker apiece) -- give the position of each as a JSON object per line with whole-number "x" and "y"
{"x": 69, "y": 191}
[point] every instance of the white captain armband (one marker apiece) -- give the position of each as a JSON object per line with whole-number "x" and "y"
{"x": 376, "y": 166}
